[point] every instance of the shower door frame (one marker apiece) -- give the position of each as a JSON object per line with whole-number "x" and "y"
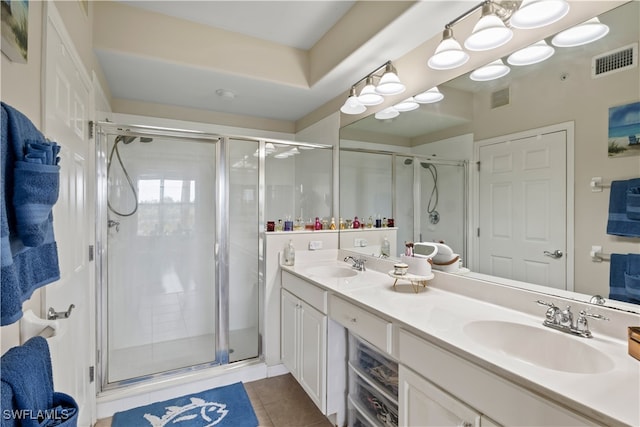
{"x": 220, "y": 249}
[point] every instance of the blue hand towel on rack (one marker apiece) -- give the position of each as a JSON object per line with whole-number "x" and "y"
{"x": 28, "y": 189}
{"x": 632, "y": 277}
{"x": 620, "y": 222}
{"x": 27, "y": 373}
{"x": 28, "y": 395}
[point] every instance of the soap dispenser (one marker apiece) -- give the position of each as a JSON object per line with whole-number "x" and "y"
{"x": 289, "y": 254}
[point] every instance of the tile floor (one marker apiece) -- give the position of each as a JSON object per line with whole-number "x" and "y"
{"x": 278, "y": 402}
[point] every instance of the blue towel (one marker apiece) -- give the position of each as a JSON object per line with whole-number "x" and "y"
{"x": 27, "y": 373}
{"x": 28, "y": 264}
{"x": 633, "y": 203}
{"x": 632, "y": 277}
{"x": 624, "y": 278}
{"x": 620, "y": 223}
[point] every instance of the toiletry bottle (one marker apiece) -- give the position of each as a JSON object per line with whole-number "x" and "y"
{"x": 279, "y": 226}
{"x": 332, "y": 226}
{"x": 342, "y": 224}
{"x": 378, "y": 221}
{"x": 318, "y": 224}
{"x": 385, "y": 249}
{"x": 289, "y": 254}
{"x": 356, "y": 223}
{"x": 370, "y": 222}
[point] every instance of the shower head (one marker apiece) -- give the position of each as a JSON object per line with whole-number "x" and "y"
{"x": 423, "y": 164}
{"x": 126, "y": 139}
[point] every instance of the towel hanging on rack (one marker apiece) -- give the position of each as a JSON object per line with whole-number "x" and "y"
{"x": 28, "y": 191}
{"x": 624, "y": 208}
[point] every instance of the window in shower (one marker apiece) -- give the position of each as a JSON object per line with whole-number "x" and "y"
{"x": 166, "y": 207}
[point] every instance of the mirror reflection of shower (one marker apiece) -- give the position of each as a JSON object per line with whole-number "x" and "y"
{"x": 432, "y": 204}
{"x": 124, "y": 139}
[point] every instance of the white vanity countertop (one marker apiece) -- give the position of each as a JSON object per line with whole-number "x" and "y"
{"x": 441, "y": 316}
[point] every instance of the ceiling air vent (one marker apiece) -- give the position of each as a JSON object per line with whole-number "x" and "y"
{"x": 500, "y": 98}
{"x": 614, "y": 61}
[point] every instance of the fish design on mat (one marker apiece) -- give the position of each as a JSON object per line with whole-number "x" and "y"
{"x": 209, "y": 413}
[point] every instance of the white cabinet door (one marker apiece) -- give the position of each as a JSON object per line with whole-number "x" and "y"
{"x": 423, "y": 404}
{"x": 312, "y": 363}
{"x": 289, "y": 332}
{"x": 304, "y": 346}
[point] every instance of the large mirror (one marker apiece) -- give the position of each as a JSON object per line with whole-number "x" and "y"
{"x": 561, "y": 104}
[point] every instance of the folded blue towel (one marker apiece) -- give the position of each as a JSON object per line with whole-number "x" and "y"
{"x": 633, "y": 203}
{"x": 620, "y": 223}
{"x": 27, "y": 372}
{"x": 35, "y": 192}
{"x": 32, "y": 263}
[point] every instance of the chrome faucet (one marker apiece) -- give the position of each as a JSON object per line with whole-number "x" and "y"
{"x": 562, "y": 320}
{"x": 358, "y": 264}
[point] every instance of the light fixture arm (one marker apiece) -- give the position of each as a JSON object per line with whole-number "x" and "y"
{"x": 387, "y": 65}
{"x": 502, "y": 12}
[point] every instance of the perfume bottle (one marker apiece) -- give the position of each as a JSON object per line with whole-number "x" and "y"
{"x": 356, "y": 223}
{"x": 342, "y": 224}
{"x": 332, "y": 226}
{"x": 370, "y": 222}
{"x": 318, "y": 224}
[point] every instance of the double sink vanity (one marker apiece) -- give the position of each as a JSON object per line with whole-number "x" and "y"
{"x": 468, "y": 352}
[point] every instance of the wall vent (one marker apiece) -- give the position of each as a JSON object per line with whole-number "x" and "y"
{"x": 616, "y": 60}
{"x": 500, "y": 97}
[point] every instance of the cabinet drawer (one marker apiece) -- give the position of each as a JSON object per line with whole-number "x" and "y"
{"x": 372, "y": 403}
{"x": 372, "y": 328}
{"x": 370, "y": 363}
{"x": 311, "y": 294}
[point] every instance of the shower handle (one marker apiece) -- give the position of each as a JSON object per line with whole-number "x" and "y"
{"x": 111, "y": 223}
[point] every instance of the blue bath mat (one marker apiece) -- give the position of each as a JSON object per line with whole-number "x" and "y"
{"x": 227, "y": 406}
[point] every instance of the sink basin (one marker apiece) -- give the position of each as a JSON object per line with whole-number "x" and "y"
{"x": 330, "y": 271}
{"x": 540, "y": 347}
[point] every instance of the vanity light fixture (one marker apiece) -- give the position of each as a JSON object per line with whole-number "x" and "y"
{"x": 368, "y": 95}
{"x": 491, "y": 71}
{"x": 587, "y": 32}
{"x": 538, "y": 13}
{"x": 387, "y": 113}
{"x": 532, "y": 54}
{"x": 371, "y": 94}
{"x": 429, "y": 96}
{"x": 352, "y": 105}
{"x": 449, "y": 53}
{"x": 389, "y": 83}
{"x": 490, "y": 32}
{"x": 408, "y": 104}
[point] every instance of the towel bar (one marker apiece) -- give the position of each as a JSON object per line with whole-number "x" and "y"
{"x": 597, "y": 185}
{"x": 597, "y": 255}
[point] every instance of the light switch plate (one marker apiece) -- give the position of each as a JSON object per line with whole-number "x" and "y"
{"x": 314, "y": 245}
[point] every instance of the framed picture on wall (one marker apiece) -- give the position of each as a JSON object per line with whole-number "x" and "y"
{"x": 15, "y": 29}
{"x": 624, "y": 130}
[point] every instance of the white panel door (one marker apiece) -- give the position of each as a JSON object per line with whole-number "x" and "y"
{"x": 66, "y": 121}
{"x": 522, "y": 209}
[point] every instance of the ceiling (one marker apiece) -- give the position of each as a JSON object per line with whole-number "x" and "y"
{"x": 139, "y": 68}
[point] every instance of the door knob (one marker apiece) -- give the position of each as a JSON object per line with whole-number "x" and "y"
{"x": 555, "y": 254}
{"x": 52, "y": 314}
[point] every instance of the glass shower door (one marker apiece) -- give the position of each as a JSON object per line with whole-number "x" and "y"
{"x": 162, "y": 315}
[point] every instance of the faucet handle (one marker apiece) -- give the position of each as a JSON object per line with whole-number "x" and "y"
{"x": 585, "y": 313}
{"x": 548, "y": 304}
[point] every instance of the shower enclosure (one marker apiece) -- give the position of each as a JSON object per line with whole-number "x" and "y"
{"x": 180, "y": 241}
{"x": 172, "y": 206}
{"x": 426, "y": 197}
